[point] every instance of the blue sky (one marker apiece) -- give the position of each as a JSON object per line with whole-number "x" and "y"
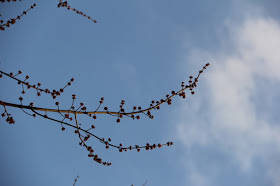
{"x": 226, "y": 134}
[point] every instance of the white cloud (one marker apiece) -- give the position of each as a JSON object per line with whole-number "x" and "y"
{"x": 227, "y": 116}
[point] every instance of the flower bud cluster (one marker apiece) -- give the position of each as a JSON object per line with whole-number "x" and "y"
{"x": 65, "y": 4}
{"x": 13, "y": 20}
{"x": 25, "y": 84}
{"x": 9, "y": 118}
{"x": 3, "y": 1}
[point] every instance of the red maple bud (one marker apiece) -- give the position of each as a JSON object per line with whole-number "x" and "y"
{"x": 105, "y": 108}
{"x": 118, "y": 120}
{"x": 76, "y": 131}
{"x": 63, "y": 129}
{"x": 109, "y": 139}
{"x": 82, "y": 104}
{"x": 67, "y": 115}
{"x": 38, "y": 94}
{"x": 27, "y": 77}
{"x": 3, "y": 114}
{"x": 84, "y": 108}
{"x": 39, "y": 84}
{"x": 11, "y": 74}
{"x": 134, "y": 108}
{"x": 57, "y": 103}
{"x": 92, "y": 126}
{"x": 107, "y": 146}
{"x": 102, "y": 98}
{"x": 31, "y": 104}
{"x": 138, "y": 117}
{"x": 34, "y": 115}
{"x": 61, "y": 90}
{"x": 69, "y": 83}
{"x": 138, "y": 150}
{"x": 192, "y": 92}
{"x": 19, "y": 72}
{"x": 94, "y": 116}
{"x": 23, "y": 92}
{"x": 20, "y": 98}
{"x": 120, "y": 144}
{"x": 72, "y": 79}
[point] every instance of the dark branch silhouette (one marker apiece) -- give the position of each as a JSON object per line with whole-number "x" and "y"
{"x": 71, "y": 114}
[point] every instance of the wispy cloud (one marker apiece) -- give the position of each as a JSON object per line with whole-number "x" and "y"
{"x": 235, "y": 114}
